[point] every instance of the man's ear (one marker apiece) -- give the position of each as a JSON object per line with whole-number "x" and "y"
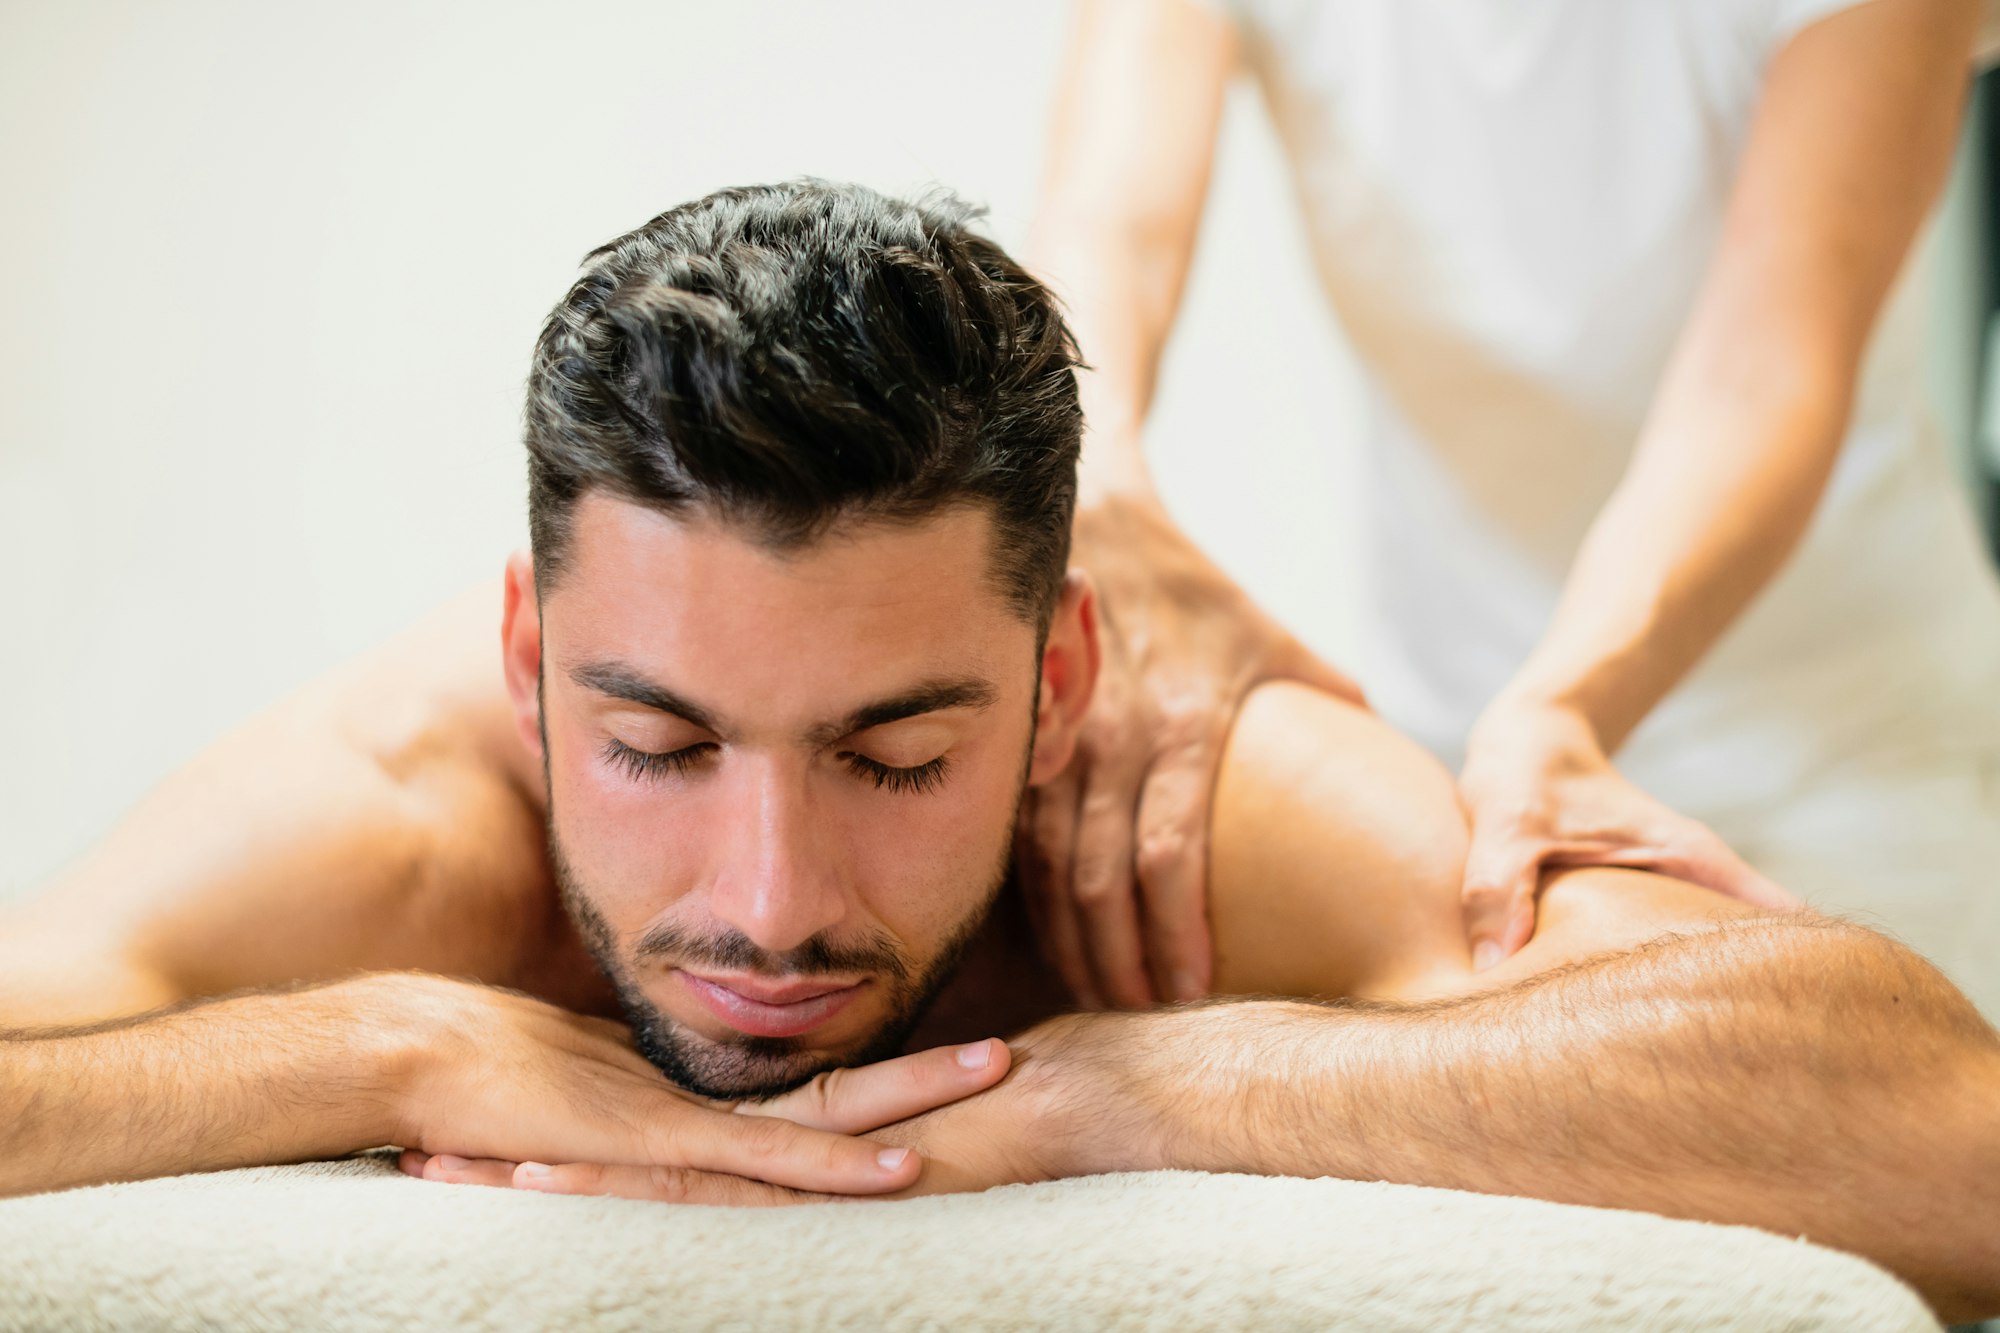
{"x": 521, "y": 648}
{"x": 1070, "y": 660}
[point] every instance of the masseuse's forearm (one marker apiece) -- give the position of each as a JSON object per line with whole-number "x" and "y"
{"x": 1850, "y": 145}
{"x": 1804, "y": 1076}
{"x": 1718, "y": 495}
{"x": 251, "y": 1079}
{"x": 1130, "y": 145}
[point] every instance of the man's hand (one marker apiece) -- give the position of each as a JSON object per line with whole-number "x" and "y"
{"x": 1057, "y": 1115}
{"x": 506, "y": 1077}
{"x": 1540, "y": 792}
{"x": 1182, "y": 645}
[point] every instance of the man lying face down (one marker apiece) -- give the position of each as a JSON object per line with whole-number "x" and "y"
{"x": 796, "y": 636}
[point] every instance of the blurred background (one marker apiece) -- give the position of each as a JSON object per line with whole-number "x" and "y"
{"x": 270, "y": 274}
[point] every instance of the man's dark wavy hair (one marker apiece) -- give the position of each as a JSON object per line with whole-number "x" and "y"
{"x": 790, "y": 356}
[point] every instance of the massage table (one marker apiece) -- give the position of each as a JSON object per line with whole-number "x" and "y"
{"x": 355, "y": 1244}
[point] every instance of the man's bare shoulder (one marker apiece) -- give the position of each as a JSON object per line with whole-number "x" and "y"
{"x": 385, "y": 815}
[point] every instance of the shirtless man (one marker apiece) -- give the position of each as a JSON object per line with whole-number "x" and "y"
{"x": 734, "y": 804}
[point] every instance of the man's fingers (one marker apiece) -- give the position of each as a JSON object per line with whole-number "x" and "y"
{"x": 1107, "y": 906}
{"x": 1045, "y": 870}
{"x": 457, "y": 1170}
{"x": 773, "y": 1149}
{"x": 865, "y": 1097}
{"x": 1499, "y": 900}
{"x": 1172, "y": 864}
{"x": 671, "y": 1184}
{"x": 665, "y": 1184}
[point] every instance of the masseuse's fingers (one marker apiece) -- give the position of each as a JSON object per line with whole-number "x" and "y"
{"x": 1292, "y": 660}
{"x": 664, "y": 1184}
{"x": 1044, "y": 853}
{"x": 1688, "y": 849}
{"x": 1501, "y": 875}
{"x": 1172, "y": 855}
{"x": 864, "y": 1097}
{"x": 1107, "y": 905}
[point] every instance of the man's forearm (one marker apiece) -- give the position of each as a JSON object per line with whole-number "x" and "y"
{"x": 1806, "y": 1077}
{"x": 263, "y": 1077}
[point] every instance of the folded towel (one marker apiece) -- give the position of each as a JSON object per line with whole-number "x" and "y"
{"x": 356, "y": 1245}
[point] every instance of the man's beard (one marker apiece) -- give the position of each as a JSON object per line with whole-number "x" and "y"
{"x": 753, "y": 1068}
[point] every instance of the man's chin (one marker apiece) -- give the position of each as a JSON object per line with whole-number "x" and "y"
{"x": 745, "y": 1068}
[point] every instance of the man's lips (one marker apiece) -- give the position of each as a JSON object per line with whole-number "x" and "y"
{"x": 760, "y": 1008}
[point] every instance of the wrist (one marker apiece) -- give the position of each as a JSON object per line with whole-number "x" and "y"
{"x": 408, "y": 1015}
{"x": 1173, "y": 1089}
{"x": 1112, "y": 466}
{"x": 1548, "y": 722}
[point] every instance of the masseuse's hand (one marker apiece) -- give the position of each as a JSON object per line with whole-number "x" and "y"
{"x": 1541, "y": 792}
{"x": 506, "y": 1078}
{"x": 1113, "y": 854}
{"x": 1061, "y": 1112}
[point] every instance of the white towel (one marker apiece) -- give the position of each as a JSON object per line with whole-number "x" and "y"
{"x": 356, "y": 1245}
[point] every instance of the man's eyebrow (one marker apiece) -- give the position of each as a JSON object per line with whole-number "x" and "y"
{"x": 621, "y": 682}
{"x": 930, "y": 697}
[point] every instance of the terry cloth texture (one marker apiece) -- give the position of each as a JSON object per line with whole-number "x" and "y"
{"x": 356, "y": 1245}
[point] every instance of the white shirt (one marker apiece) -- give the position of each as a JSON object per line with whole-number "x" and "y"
{"x": 1511, "y": 204}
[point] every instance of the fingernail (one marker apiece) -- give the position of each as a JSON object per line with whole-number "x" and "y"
{"x": 534, "y": 1170}
{"x": 976, "y": 1056}
{"x": 446, "y": 1162}
{"x": 891, "y": 1159}
{"x": 1484, "y": 955}
{"x": 1186, "y": 987}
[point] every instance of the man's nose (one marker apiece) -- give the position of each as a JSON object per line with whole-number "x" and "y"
{"x": 777, "y": 883}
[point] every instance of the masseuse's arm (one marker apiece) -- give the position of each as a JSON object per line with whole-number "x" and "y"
{"x": 1850, "y": 144}
{"x": 1113, "y": 852}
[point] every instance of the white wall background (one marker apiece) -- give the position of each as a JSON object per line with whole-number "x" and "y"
{"x": 270, "y": 273}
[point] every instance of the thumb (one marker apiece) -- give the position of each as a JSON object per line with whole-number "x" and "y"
{"x": 1297, "y": 662}
{"x": 858, "y": 1099}
{"x": 1717, "y": 866}
{"x": 1498, "y": 897}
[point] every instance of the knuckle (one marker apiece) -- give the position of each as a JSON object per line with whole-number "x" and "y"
{"x": 1098, "y": 890}
{"x": 672, "y": 1184}
{"x": 826, "y": 1090}
{"x": 1162, "y": 850}
{"x": 1188, "y": 716}
{"x": 764, "y": 1137}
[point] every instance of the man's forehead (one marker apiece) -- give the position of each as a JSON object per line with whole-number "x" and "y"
{"x": 625, "y": 548}
{"x": 695, "y": 616}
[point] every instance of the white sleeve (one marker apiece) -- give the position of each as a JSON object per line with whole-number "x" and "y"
{"x": 1788, "y": 16}
{"x": 1229, "y": 9}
